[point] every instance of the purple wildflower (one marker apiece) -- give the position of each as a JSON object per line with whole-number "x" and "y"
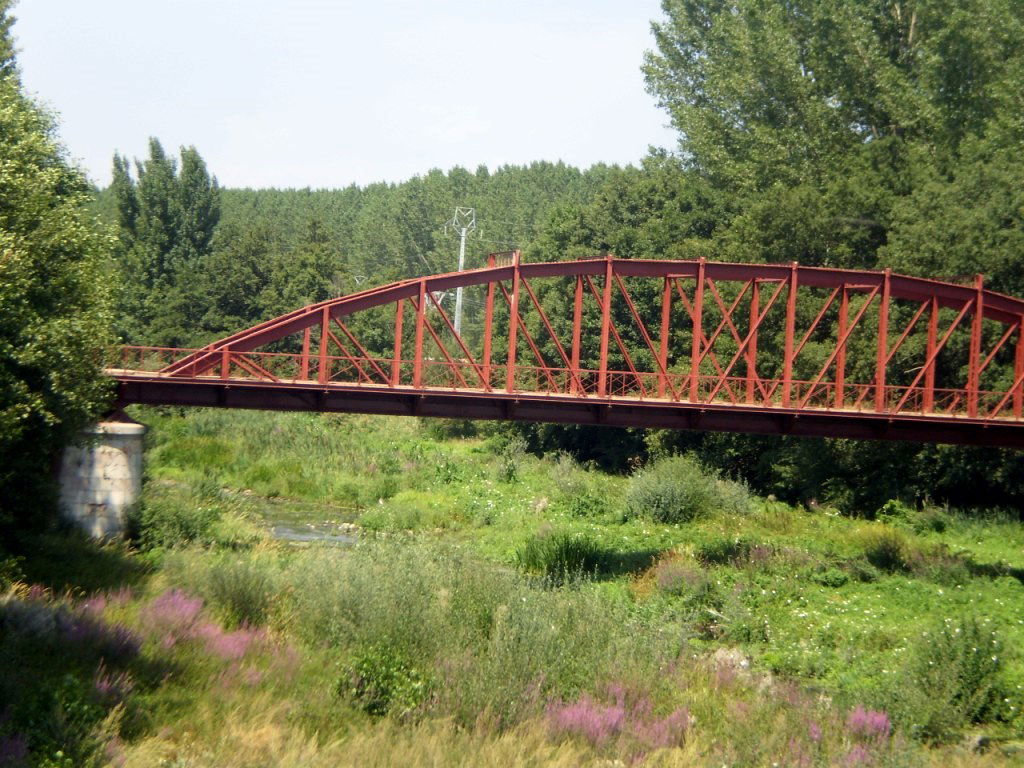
{"x": 230, "y": 645}
{"x": 37, "y": 592}
{"x": 114, "y": 642}
{"x": 119, "y": 597}
{"x": 665, "y": 732}
{"x": 814, "y": 732}
{"x": 858, "y": 756}
{"x": 112, "y": 687}
{"x": 868, "y": 724}
{"x": 173, "y": 614}
{"x": 13, "y": 749}
{"x": 797, "y": 756}
{"x": 588, "y": 718}
{"x": 94, "y": 606}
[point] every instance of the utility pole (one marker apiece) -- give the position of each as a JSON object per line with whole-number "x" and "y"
{"x": 463, "y": 222}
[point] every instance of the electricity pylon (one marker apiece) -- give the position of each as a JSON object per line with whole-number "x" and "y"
{"x": 463, "y": 222}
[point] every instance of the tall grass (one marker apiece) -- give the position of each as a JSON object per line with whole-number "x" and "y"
{"x": 497, "y": 644}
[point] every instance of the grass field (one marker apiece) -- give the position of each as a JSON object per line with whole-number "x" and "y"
{"x": 500, "y": 608}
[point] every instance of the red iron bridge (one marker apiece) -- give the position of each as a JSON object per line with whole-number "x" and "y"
{"x": 758, "y": 348}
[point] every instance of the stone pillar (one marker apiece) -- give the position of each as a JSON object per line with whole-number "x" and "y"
{"x": 102, "y": 478}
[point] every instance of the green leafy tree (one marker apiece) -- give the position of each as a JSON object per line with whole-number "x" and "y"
{"x": 166, "y": 219}
{"x": 54, "y": 318}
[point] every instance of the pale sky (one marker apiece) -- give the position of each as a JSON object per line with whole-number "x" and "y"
{"x": 324, "y": 94}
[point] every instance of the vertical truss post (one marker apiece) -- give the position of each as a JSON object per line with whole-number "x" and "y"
{"x": 698, "y": 333}
{"x": 928, "y": 400}
{"x": 417, "y": 363}
{"x": 666, "y": 313}
{"x": 882, "y": 350}
{"x": 973, "y": 365}
{"x": 1018, "y": 369}
{"x": 225, "y": 363}
{"x": 787, "y": 363}
{"x": 513, "y": 326}
{"x": 396, "y": 363}
{"x": 325, "y": 322}
{"x": 488, "y": 327}
{"x": 755, "y": 300}
{"x": 844, "y": 315}
{"x": 304, "y": 365}
{"x": 606, "y": 320}
{"x": 576, "y": 382}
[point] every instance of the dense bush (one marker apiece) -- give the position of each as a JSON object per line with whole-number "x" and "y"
{"x": 242, "y": 588}
{"x": 511, "y": 454}
{"x": 165, "y": 521}
{"x": 884, "y": 547}
{"x": 560, "y": 556}
{"x": 382, "y": 681}
{"x": 952, "y": 680}
{"x": 678, "y": 489}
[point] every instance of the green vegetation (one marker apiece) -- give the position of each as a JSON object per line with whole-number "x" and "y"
{"x": 54, "y": 318}
{"x": 504, "y": 619}
{"x": 525, "y": 595}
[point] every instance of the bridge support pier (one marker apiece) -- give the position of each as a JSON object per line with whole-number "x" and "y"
{"x": 101, "y": 478}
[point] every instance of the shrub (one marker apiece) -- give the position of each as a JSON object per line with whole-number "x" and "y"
{"x": 678, "y": 489}
{"x": 884, "y": 547}
{"x": 380, "y": 488}
{"x": 732, "y": 551}
{"x": 166, "y": 521}
{"x": 242, "y": 589}
{"x": 381, "y": 681}
{"x": 510, "y": 457}
{"x": 560, "y": 556}
{"x": 831, "y": 577}
{"x": 447, "y": 429}
{"x": 927, "y": 519}
{"x": 952, "y": 679}
{"x": 577, "y": 492}
{"x": 677, "y": 577}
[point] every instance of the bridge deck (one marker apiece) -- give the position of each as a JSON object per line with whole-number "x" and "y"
{"x": 761, "y": 348}
{"x": 473, "y": 403}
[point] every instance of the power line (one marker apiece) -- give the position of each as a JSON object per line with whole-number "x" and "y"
{"x": 464, "y": 221}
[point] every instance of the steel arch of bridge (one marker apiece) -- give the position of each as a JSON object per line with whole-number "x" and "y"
{"x": 761, "y": 348}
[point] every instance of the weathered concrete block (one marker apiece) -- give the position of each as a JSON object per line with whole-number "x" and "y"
{"x": 101, "y": 479}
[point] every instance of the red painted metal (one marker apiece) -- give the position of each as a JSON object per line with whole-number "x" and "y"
{"x": 787, "y": 355}
{"x": 396, "y": 361}
{"x": 883, "y": 343}
{"x": 974, "y": 360}
{"x": 751, "y": 342}
{"x": 1018, "y": 370}
{"x": 420, "y": 306}
{"x": 577, "y": 334}
{"x": 743, "y": 375}
{"x": 844, "y": 315}
{"x": 929, "y": 381}
{"x": 513, "y": 324}
{"x": 606, "y": 320}
{"x": 697, "y": 320}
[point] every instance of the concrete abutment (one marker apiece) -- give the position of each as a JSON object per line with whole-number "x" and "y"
{"x": 101, "y": 479}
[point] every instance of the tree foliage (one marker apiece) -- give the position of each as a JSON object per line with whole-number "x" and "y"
{"x": 54, "y": 318}
{"x": 166, "y": 219}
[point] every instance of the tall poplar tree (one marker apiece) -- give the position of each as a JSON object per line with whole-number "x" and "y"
{"x": 166, "y": 220}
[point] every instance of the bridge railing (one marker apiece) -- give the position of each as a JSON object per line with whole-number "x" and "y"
{"x": 298, "y": 369}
